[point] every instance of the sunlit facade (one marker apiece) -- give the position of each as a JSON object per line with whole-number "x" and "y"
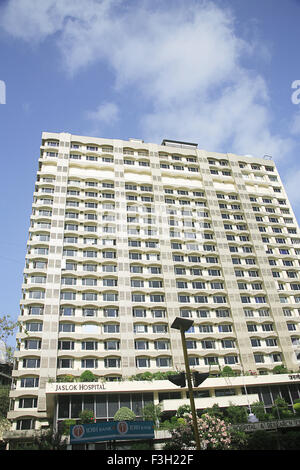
{"x": 124, "y": 237}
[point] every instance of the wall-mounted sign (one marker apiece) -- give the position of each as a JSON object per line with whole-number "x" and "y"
{"x": 79, "y": 387}
{"x": 111, "y": 431}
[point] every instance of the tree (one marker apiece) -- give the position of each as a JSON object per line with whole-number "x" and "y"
{"x": 213, "y": 432}
{"x": 280, "y": 409}
{"x": 215, "y": 410}
{"x": 152, "y": 412}
{"x": 236, "y": 414}
{"x": 124, "y": 414}
{"x": 50, "y": 440}
{"x": 4, "y": 400}
{"x": 8, "y": 328}
{"x": 258, "y": 409}
{"x": 182, "y": 410}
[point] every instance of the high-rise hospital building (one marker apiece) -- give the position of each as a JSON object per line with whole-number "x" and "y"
{"x": 124, "y": 237}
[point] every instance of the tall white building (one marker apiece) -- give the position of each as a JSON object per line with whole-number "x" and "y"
{"x": 124, "y": 237}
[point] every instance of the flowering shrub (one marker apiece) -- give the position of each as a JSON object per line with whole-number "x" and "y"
{"x": 213, "y": 433}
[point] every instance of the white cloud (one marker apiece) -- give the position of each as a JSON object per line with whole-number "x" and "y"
{"x": 107, "y": 113}
{"x": 291, "y": 182}
{"x": 183, "y": 59}
{"x": 295, "y": 125}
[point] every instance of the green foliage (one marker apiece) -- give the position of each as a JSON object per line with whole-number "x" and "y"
{"x": 66, "y": 426}
{"x": 182, "y": 410}
{"x": 258, "y": 409}
{"x": 236, "y": 414}
{"x": 239, "y": 440}
{"x": 50, "y": 441}
{"x": 66, "y": 378}
{"x": 88, "y": 376}
{"x": 152, "y": 412}
{"x": 86, "y": 416}
{"x": 280, "y": 409}
{"x": 227, "y": 371}
{"x": 4, "y": 400}
{"x": 215, "y": 410}
{"x": 290, "y": 440}
{"x": 124, "y": 414}
{"x": 8, "y": 328}
{"x": 297, "y": 408}
{"x": 172, "y": 423}
{"x": 280, "y": 369}
{"x": 5, "y": 425}
{"x": 151, "y": 376}
{"x": 213, "y": 433}
{"x": 262, "y": 440}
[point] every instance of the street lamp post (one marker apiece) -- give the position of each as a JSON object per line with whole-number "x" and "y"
{"x": 183, "y": 324}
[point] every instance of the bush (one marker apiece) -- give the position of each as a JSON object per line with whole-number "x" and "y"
{"x": 124, "y": 414}
{"x": 66, "y": 378}
{"x": 297, "y": 408}
{"x": 236, "y": 414}
{"x": 227, "y": 371}
{"x": 182, "y": 410}
{"x": 86, "y": 416}
{"x": 280, "y": 369}
{"x": 214, "y": 434}
{"x": 66, "y": 426}
{"x": 280, "y": 409}
{"x": 262, "y": 440}
{"x": 88, "y": 376}
{"x": 290, "y": 440}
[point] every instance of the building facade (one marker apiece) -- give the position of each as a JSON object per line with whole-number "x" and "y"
{"x": 124, "y": 237}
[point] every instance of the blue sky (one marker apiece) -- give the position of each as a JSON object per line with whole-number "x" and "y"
{"x": 218, "y": 73}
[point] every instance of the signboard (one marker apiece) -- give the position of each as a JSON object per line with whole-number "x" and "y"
{"x": 266, "y": 425}
{"x": 111, "y": 431}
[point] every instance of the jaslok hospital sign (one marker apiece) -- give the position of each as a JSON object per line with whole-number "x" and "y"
{"x": 79, "y": 387}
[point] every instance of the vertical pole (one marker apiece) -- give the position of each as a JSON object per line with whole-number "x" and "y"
{"x": 190, "y": 387}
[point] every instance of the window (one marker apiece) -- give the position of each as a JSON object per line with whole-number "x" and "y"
{"x": 89, "y": 345}
{"x": 29, "y": 382}
{"x": 157, "y": 298}
{"x": 36, "y": 310}
{"x": 141, "y": 344}
{"x": 32, "y": 344}
{"x": 140, "y": 328}
{"x": 160, "y": 328}
{"x": 28, "y": 402}
{"x": 89, "y": 296}
{"x": 111, "y": 328}
{"x": 66, "y": 345}
{"x": 224, "y": 328}
{"x": 138, "y": 297}
{"x": 163, "y": 362}
{"x": 112, "y": 362}
{"x": 142, "y": 362}
{"x": 110, "y": 297}
{"x": 112, "y": 345}
{"x": 31, "y": 363}
{"x": 89, "y": 363}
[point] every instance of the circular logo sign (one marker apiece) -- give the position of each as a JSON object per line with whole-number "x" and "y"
{"x": 122, "y": 427}
{"x": 78, "y": 431}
